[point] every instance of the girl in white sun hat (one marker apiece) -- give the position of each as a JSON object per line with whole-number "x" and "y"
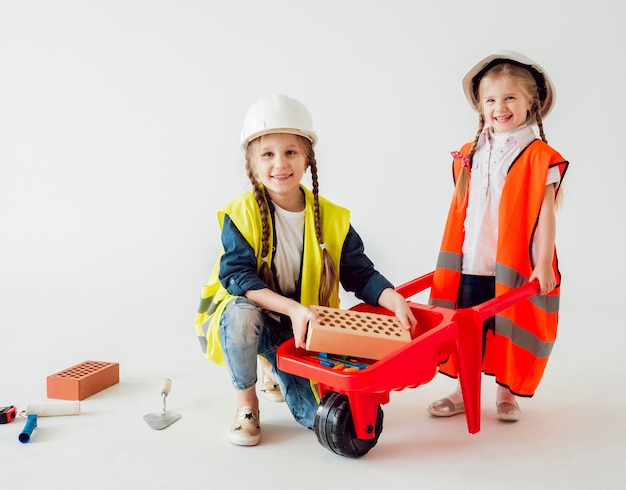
{"x": 284, "y": 248}
{"x": 500, "y": 230}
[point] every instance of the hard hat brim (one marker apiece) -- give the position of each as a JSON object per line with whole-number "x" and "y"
{"x": 311, "y": 136}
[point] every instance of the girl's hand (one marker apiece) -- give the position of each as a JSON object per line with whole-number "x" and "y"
{"x": 545, "y": 275}
{"x": 300, "y": 316}
{"x": 298, "y": 313}
{"x": 395, "y": 302}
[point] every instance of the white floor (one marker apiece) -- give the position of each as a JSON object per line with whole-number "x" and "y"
{"x": 572, "y": 434}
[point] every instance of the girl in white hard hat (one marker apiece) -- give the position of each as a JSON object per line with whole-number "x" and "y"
{"x": 500, "y": 231}
{"x": 284, "y": 248}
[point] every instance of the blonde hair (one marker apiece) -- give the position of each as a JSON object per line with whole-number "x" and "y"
{"x": 519, "y": 76}
{"x": 329, "y": 275}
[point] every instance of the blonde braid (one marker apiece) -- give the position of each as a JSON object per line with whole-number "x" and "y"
{"x": 329, "y": 276}
{"x": 540, "y": 124}
{"x": 463, "y": 182}
{"x": 265, "y": 272}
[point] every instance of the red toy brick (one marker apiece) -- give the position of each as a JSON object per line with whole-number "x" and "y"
{"x": 83, "y": 380}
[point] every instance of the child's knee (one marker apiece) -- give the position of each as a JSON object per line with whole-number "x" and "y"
{"x": 242, "y": 320}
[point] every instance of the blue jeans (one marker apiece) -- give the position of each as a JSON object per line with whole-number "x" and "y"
{"x": 247, "y": 330}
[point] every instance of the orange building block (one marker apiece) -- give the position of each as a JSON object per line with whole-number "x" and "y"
{"x": 357, "y": 334}
{"x": 83, "y": 380}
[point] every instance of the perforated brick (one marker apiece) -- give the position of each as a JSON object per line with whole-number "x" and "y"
{"x": 83, "y": 380}
{"x": 357, "y": 334}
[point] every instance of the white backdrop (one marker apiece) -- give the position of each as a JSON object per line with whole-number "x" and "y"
{"x": 119, "y": 131}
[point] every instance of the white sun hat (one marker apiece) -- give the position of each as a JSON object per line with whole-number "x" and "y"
{"x": 472, "y": 78}
{"x": 277, "y": 114}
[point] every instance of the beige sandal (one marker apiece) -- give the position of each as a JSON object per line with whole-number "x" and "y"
{"x": 508, "y": 411}
{"x": 445, "y": 408}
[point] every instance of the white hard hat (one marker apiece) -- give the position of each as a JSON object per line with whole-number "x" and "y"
{"x": 473, "y": 77}
{"x": 277, "y": 114}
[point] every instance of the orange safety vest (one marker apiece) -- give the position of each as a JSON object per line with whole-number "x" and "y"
{"x": 524, "y": 334}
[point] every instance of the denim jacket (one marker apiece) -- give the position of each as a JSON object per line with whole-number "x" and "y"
{"x": 238, "y": 267}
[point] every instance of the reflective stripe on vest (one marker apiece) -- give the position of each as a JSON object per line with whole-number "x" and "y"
{"x": 511, "y": 279}
{"x": 522, "y": 338}
{"x": 450, "y": 260}
{"x": 448, "y": 271}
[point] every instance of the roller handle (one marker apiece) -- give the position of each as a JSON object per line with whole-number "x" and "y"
{"x": 31, "y": 424}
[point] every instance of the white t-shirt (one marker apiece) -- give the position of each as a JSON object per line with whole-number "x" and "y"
{"x": 289, "y": 227}
{"x": 490, "y": 164}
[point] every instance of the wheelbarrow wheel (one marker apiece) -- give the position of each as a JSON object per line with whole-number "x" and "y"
{"x": 334, "y": 427}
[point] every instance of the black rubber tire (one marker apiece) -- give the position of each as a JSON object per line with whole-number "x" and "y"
{"x": 334, "y": 427}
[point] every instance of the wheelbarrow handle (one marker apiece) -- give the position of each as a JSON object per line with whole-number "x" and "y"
{"x": 415, "y": 286}
{"x": 502, "y": 302}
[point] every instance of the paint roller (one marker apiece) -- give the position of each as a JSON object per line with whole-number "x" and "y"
{"x": 53, "y": 409}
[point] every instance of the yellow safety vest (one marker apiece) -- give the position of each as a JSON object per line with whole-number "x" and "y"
{"x": 245, "y": 214}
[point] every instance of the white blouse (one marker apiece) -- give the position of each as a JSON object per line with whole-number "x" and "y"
{"x": 490, "y": 164}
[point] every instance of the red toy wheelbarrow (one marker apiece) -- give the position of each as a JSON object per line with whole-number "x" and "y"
{"x": 349, "y": 418}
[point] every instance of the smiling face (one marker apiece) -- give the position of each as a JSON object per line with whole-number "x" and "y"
{"x": 279, "y": 163}
{"x": 504, "y": 102}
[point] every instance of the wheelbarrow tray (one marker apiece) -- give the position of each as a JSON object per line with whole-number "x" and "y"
{"x": 441, "y": 331}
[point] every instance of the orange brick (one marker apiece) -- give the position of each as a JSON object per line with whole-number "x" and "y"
{"x": 83, "y": 380}
{"x": 353, "y": 333}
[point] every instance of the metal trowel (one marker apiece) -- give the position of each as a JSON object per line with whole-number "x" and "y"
{"x": 161, "y": 420}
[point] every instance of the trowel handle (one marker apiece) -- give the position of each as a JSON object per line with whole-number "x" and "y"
{"x": 166, "y": 387}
